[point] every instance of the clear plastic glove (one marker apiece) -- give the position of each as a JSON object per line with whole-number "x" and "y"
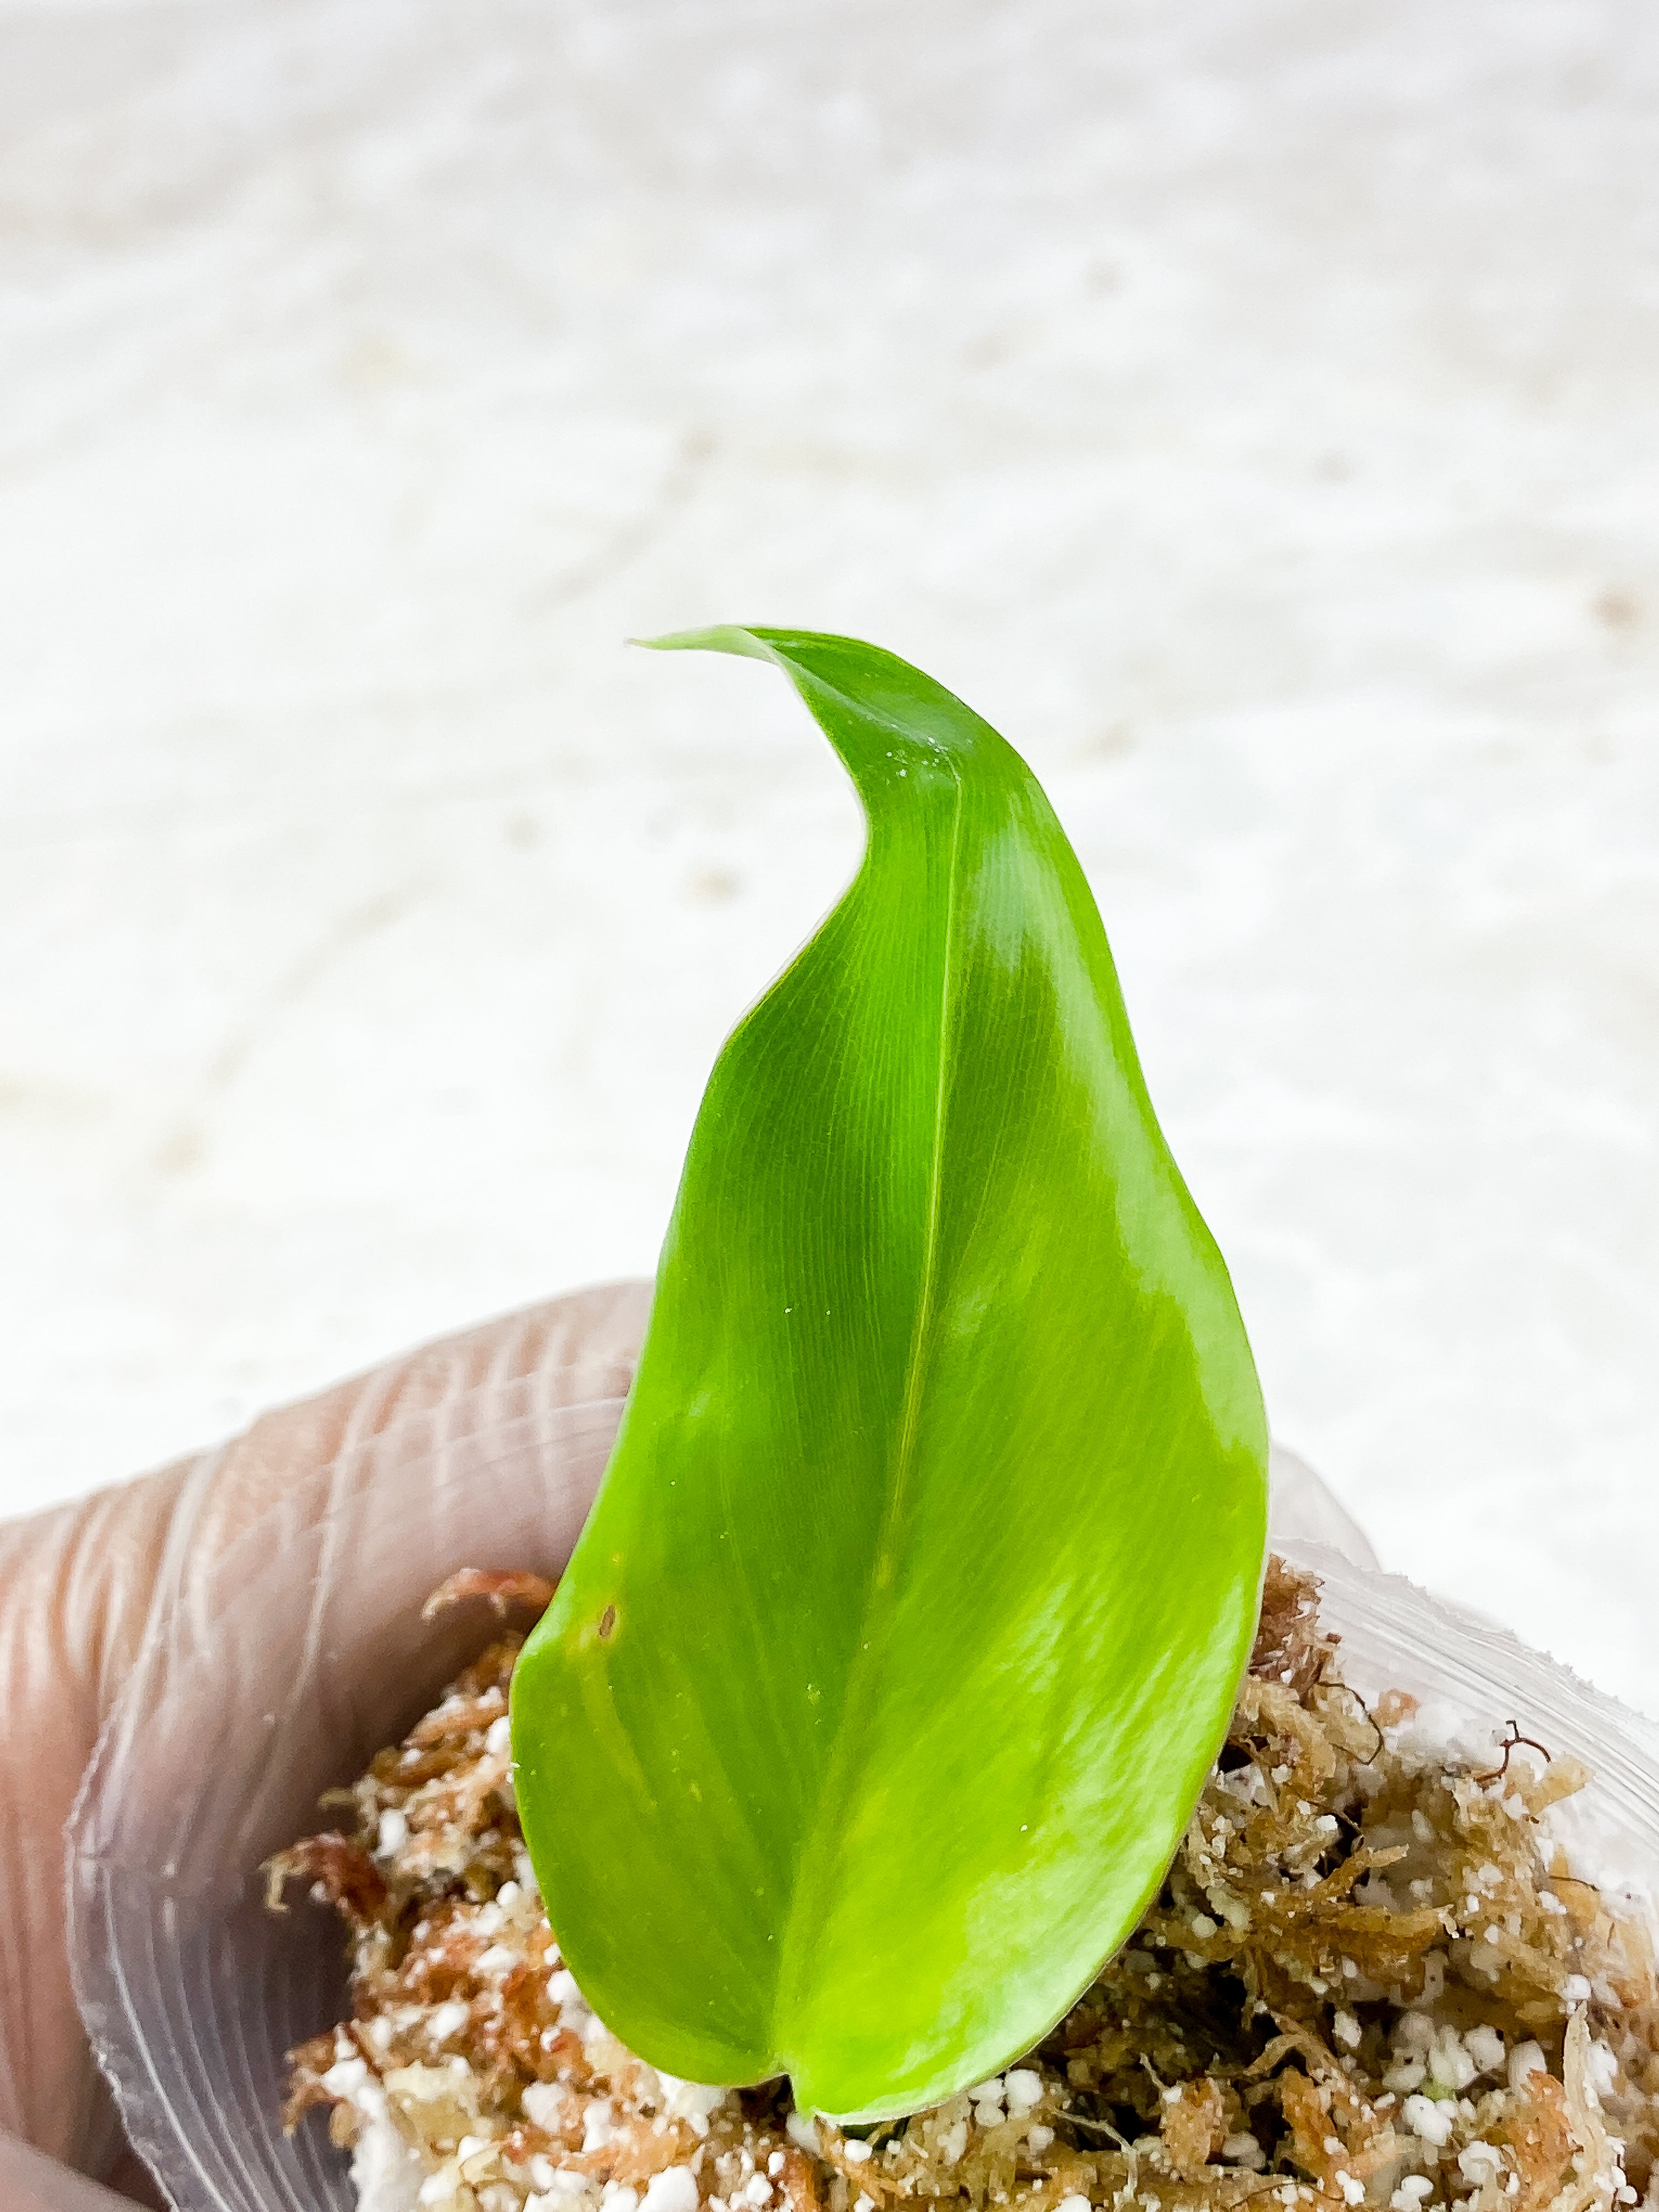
{"x": 92, "y": 1600}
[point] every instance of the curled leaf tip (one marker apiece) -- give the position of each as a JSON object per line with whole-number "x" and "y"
{"x": 722, "y": 638}
{"x": 937, "y": 1516}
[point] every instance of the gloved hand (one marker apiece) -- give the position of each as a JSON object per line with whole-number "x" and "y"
{"x": 88, "y": 1591}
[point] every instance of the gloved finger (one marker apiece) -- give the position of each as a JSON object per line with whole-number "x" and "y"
{"x": 236, "y": 1573}
{"x": 76, "y": 1588}
{"x": 31, "y": 2182}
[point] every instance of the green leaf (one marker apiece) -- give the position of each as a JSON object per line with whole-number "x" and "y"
{"x": 908, "y": 1621}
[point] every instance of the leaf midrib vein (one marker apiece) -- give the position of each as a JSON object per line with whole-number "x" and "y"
{"x": 879, "y": 1594}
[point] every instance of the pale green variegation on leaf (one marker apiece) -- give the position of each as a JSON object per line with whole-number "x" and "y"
{"x": 910, "y": 1614}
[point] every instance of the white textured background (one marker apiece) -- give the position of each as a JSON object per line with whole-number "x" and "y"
{"x": 1250, "y": 407}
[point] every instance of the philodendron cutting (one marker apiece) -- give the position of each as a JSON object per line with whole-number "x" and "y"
{"x": 900, "y": 1674}
{"x": 909, "y": 1616}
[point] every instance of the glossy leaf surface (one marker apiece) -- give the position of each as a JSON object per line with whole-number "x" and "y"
{"x": 907, "y": 1621}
